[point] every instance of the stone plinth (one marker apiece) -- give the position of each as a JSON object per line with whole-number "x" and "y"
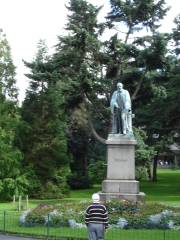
{"x": 134, "y": 198}
{"x": 120, "y": 182}
{"x": 120, "y": 156}
{"x": 124, "y": 186}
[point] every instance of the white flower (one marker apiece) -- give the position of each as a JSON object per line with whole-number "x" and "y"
{"x": 72, "y": 223}
{"x": 70, "y": 210}
{"x": 80, "y": 225}
{"x": 155, "y": 219}
{"x": 171, "y": 224}
{"x": 122, "y": 222}
{"x": 22, "y": 218}
{"x": 54, "y": 213}
{"x": 167, "y": 213}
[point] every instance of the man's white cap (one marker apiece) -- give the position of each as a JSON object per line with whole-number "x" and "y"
{"x": 95, "y": 198}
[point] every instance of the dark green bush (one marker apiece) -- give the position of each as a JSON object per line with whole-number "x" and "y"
{"x": 97, "y": 167}
{"x": 119, "y": 207}
{"x": 79, "y": 182}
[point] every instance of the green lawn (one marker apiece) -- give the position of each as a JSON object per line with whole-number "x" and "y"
{"x": 166, "y": 190}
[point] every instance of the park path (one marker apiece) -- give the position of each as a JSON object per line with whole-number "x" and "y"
{"x": 8, "y": 237}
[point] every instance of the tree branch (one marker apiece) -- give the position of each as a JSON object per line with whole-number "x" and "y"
{"x": 95, "y": 134}
{"x": 93, "y": 130}
{"x": 138, "y": 87}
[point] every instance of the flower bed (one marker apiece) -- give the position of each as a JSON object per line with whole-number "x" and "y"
{"x": 123, "y": 215}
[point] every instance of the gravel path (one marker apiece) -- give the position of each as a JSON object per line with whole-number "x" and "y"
{"x": 8, "y": 237}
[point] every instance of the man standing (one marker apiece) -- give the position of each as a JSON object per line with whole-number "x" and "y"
{"x": 121, "y": 111}
{"x": 96, "y": 219}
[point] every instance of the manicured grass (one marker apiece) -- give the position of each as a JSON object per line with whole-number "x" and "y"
{"x": 84, "y": 194}
{"x": 166, "y": 190}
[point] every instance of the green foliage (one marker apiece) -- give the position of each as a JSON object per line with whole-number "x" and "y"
{"x": 7, "y": 70}
{"x": 137, "y": 14}
{"x": 79, "y": 182}
{"x": 97, "y": 167}
{"x": 120, "y": 207}
{"x": 58, "y": 215}
{"x": 143, "y": 153}
{"x": 45, "y": 149}
{"x": 12, "y": 179}
{"x": 141, "y": 173}
{"x": 75, "y": 63}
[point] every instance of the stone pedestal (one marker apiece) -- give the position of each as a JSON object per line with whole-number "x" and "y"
{"x": 120, "y": 182}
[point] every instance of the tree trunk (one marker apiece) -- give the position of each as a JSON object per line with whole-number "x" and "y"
{"x": 154, "y": 173}
{"x": 149, "y": 172}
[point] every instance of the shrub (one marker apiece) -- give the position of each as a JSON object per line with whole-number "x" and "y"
{"x": 79, "y": 182}
{"x": 97, "y": 167}
{"x": 121, "y": 206}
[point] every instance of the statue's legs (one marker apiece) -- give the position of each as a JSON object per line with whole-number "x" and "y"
{"x": 114, "y": 124}
{"x": 117, "y": 123}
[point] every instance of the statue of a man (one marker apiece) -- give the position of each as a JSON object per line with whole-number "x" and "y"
{"x": 121, "y": 111}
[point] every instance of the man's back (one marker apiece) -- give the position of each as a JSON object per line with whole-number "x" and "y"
{"x": 96, "y": 213}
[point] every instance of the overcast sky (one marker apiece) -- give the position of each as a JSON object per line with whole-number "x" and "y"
{"x": 26, "y": 21}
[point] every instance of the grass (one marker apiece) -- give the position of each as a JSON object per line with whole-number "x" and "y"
{"x": 166, "y": 190}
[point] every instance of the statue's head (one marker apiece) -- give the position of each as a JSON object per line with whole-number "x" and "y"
{"x": 119, "y": 86}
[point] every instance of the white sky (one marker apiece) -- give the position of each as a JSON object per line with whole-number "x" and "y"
{"x": 26, "y": 21}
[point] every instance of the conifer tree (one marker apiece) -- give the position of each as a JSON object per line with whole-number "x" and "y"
{"x": 76, "y": 63}
{"x": 43, "y": 138}
{"x": 12, "y": 180}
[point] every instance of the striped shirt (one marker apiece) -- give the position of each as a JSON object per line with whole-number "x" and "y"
{"x": 97, "y": 213}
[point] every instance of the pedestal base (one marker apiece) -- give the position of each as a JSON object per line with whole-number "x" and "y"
{"x": 138, "y": 198}
{"x": 122, "y": 190}
{"x": 120, "y": 186}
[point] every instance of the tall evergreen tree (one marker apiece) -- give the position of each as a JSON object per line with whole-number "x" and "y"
{"x": 43, "y": 140}
{"x": 75, "y": 62}
{"x": 12, "y": 181}
{"x": 172, "y": 112}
